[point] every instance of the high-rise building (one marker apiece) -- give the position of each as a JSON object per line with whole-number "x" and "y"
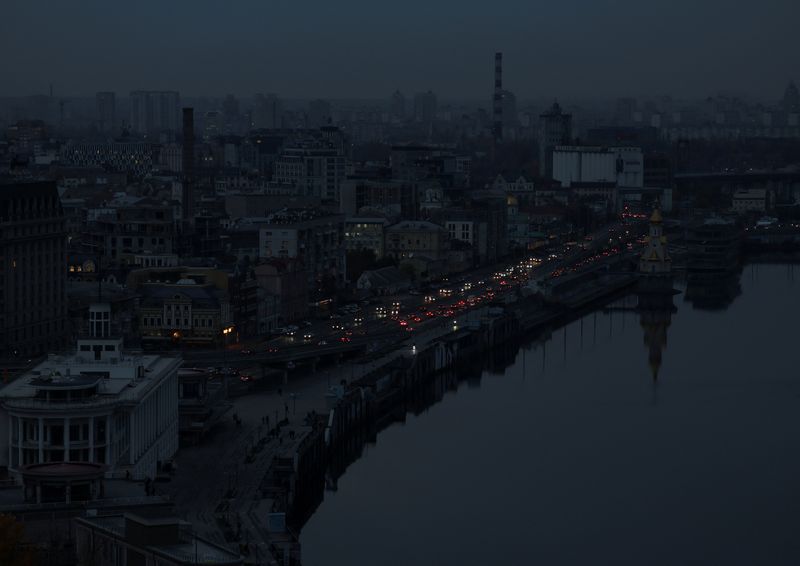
{"x": 32, "y": 270}
{"x": 791, "y": 99}
{"x": 134, "y": 157}
{"x": 153, "y": 112}
{"x": 316, "y": 168}
{"x": 187, "y": 165}
{"x": 267, "y": 113}
{"x": 497, "y": 98}
{"x": 425, "y": 107}
{"x": 106, "y": 111}
{"x": 509, "y": 103}
{"x": 230, "y": 107}
{"x": 398, "y": 105}
{"x": 213, "y": 124}
{"x": 555, "y": 128}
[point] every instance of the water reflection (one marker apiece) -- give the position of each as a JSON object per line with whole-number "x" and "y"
{"x": 655, "y": 308}
{"x": 569, "y": 462}
{"x": 713, "y": 292}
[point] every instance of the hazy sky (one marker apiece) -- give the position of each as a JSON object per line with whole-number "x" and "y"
{"x": 367, "y": 48}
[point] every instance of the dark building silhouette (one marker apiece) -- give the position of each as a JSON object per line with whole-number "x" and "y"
{"x": 187, "y": 164}
{"x": 32, "y": 276}
{"x": 425, "y": 106}
{"x": 106, "y": 111}
{"x": 555, "y": 128}
{"x": 497, "y": 106}
{"x": 398, "y": 105}
{"x": 791, "y": 99}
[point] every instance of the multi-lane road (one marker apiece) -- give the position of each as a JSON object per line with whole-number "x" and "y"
{"x": 379, "y": 323}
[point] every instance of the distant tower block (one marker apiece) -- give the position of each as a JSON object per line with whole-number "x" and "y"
{"x": 187, "y": 165}
{"x": 497, "y": 113}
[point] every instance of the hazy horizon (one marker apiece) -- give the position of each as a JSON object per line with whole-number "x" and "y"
{"x": 362, "y": 50}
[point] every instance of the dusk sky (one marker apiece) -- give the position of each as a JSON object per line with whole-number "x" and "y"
{"x": 366, "y": 49}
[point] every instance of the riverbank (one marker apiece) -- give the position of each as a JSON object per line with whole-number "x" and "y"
{"x": 389, "y": 387}
{"x": 574, "y": 434}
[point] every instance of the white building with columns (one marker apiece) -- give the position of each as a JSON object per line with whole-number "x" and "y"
{"x": 100, "y": 405}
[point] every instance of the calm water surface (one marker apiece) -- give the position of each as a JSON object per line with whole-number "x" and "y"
{"x": 574, "y": 455}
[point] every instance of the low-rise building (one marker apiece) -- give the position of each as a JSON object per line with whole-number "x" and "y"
{"x": 100, "y": 405}
{"x": 186, "y": 312}
{"x": 155, "y": 260}
{"x": 286, "y": 280}
{"x": 312, "y": 236}
{"x": 365, "y": 234}
{"x": 522, "y": 189}
{"x": 132, "y": 227}
{"x": 136, "y": 539}
{"x": 409, "y": 239}
{"x": 377, "y": 192}
{"x": 622, "y": 166}
{"x": 202, "y": 400}
{"x": 384, "y": 281}
{"x": 751, "y": 200}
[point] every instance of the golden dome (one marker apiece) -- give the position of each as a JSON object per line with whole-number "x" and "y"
{"x": 656, "y": 217}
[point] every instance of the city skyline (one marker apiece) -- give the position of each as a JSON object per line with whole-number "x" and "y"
{"x": 681, "y": 49}
{"x": 399, "y": 283}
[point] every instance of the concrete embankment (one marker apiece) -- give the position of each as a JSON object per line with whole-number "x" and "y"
{"x": 389, "y": 384}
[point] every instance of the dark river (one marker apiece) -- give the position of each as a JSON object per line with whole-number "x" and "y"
{"x": 576, "y": 455}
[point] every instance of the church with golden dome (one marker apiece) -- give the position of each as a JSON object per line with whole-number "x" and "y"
{"x": 655, "y": 258}
{"x": 655, "y": 292}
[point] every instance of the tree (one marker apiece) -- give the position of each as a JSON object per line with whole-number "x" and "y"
{"x": 13, "y": 550}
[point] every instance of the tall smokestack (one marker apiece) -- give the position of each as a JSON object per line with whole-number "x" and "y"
{"x": 187, "y": 164}
{"x": 498, "y": 96}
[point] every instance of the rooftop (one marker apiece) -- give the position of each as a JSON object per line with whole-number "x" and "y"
{"x": 415, "y": 225}
{"x": 190, "y": 549}
{"x": 297, "y": 215}
{"x": 126, "y": 379}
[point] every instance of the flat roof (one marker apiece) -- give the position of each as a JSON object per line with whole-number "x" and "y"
{"x": 121, "y": 385}
{"x": 191, "y": 549}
